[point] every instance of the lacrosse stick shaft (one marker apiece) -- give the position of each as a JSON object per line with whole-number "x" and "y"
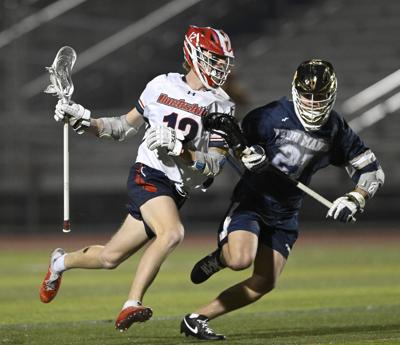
{"x": 314, "y": 195}
{"x": 66, "y": 223}
{"x": 62, "y": 86}
{"x": 302, "y": 187}
{"x": 298, "y": 184}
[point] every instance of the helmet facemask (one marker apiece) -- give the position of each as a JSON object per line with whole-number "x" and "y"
{"x": 213, "y": 66}
{"x": 314, "y": 91}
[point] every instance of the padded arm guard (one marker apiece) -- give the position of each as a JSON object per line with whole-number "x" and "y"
{"x": 208, "y": 164}
{"x": 116, "y": 128}
{"x": 366, "y": 172}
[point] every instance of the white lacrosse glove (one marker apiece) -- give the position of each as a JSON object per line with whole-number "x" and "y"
{"x": 169, "y": 138}
{"x": 78, "y": 116}
{"x": 59, "y": 114}
{"x": 254, "y": 158}
{"x": 345, "y": 207}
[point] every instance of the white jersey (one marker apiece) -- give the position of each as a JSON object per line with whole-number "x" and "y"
{"x": 168, "y": 100}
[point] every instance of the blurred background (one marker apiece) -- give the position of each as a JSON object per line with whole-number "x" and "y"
{"x": 123, "y": 44}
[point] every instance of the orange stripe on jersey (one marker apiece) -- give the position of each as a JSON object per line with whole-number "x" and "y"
{"x": 141, "y": 182}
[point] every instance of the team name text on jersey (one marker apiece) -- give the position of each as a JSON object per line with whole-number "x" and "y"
{"x": 181, "y": 104}
{"x": 301, "y": 138}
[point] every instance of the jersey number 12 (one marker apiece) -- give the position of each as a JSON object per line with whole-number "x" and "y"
{"x": 185, "y": 124}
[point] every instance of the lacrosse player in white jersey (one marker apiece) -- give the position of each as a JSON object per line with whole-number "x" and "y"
{"x": 175, "y": 156}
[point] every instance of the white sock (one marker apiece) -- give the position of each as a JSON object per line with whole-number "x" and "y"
{"x": 193, "y": 316}
{"x": 59, "y": 264}
{"x": 131, "y": 303}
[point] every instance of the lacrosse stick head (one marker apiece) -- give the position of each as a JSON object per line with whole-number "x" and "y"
{"x": 60, "y": 74}
{"x": 227, "y": 127}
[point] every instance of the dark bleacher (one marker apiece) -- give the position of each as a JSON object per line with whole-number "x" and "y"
{"x": 270, "y": 37}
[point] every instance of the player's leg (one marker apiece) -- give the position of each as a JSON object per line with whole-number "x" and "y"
{"x": 239, "y": 252}
{"x": 267, "y": 267}
{"x": 129, "y": 238}
{"x": 274, "y": 246}
{"x": 154, "y": 199}
{"x": 237, "y": 248}
{"x": 161, "y": 215}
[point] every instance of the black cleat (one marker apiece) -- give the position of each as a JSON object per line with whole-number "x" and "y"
{"x": 206, "y": 267}
{"x": 197, "y": 326}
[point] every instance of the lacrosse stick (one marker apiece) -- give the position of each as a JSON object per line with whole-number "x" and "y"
{"x": 226, "y": 126}
{"x": 61, "y": 86}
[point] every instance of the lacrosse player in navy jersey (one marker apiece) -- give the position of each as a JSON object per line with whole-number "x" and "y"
{"x": 260, "y": 228}
{"x": 176, "y": 155}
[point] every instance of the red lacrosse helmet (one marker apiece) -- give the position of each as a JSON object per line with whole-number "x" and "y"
{"x": 209, "y": 52}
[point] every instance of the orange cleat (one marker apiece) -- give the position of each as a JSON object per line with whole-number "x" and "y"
{"x": 130, "y": 315}
{"x": 52, "y": 281}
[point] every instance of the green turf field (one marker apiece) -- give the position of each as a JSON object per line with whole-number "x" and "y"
{"x": 336, "y": 294}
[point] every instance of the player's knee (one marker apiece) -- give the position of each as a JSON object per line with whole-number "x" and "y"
{"x": 109, "y": 261}
{"x": 172, "y": 236}
{"x": 240, "y": 262}
{"x": 262, "y": 285}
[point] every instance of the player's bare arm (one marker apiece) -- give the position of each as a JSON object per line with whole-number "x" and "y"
{"x": 362, "y": 192}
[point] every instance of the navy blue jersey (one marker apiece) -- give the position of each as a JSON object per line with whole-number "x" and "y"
{"x": 297, "y": 152}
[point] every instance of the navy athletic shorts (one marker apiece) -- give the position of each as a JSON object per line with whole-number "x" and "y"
{"x": 145, "y": 183}
{"x": 279, "y": 235}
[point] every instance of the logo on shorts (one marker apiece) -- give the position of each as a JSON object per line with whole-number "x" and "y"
{"x": 287, "y": 247}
